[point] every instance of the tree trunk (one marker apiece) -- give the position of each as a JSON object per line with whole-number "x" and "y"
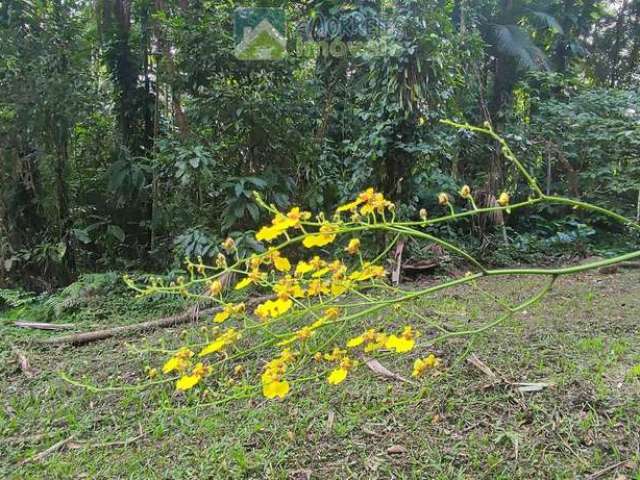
{"x": 178, "y": 112}
{"x": 615, "y": 64}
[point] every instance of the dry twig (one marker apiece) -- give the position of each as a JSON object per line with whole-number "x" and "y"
{"x": 45, "y": 453}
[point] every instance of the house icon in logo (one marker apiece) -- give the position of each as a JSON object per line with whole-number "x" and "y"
{"x": 259, "y": 34}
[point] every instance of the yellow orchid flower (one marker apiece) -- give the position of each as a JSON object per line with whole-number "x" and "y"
{"x": 303, "y": 267}
{"x": 174, "y": 364}
{"x": 420, "y": 366}
{"x": 324, "y": 237}
{"x": 188, "y": 381}
{"x": 353, "y": 247}
{"x": 275, "y": 389}
{"x": 227, "y": 338}
{"x": 443, "y": 198}
{"x": 337, "y": 376}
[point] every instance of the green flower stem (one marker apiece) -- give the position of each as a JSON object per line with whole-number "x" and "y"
{"x": 468, "y": 213}
{"x": 506, "y": 151}
{"x": 534, "y": 299}
{"x": 127, "y": 388}
{"x": 386, "y": 250}
{"x": 593, "y": 208}
{"x": 566, "y": 270}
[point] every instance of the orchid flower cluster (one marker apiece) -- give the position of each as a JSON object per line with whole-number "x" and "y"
{"x": 306, "y": 292}
{"x": 292, "y": 306}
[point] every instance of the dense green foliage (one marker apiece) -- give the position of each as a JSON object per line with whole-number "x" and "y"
{"x": 130, "y": 135}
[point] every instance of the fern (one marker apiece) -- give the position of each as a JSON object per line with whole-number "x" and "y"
{"x": 16, "y": 298}
{"x": 81, "y": 291}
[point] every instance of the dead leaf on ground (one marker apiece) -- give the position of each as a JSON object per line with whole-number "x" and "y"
{"x": 396, "y": 450}
{"x": 531, "y": 387}
{"x": 371, "y": 432}
{"x": 331, "y": 416}
{"x": 480, "y": 365}
{"x": 23, "y": 362}
{"x": 376, "y": 367}
{"x": 304, "y": 474}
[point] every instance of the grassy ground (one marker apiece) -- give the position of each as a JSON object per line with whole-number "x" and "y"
{"x": 583, "y": 339}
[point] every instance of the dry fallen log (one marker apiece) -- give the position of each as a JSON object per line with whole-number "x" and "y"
{"x": 166, "y": 322}
{"x": 44, "y": 326}
{"x": 88, "y": 337}
{"x": 615, "y": 268}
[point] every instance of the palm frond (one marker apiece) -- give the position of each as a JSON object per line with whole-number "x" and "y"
{"x": 512, "y": 41}
{"x": 545, "y": 20}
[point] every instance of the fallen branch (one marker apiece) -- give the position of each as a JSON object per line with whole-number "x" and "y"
{"x": 498, "y": 379}
{"x": 45, "y": 453}
{"x": 605, "y": 470}
{"x": 192, "y": 314}
{"x": 44, "y": 326}
{"x": 117, "y": 443}
{"x": 88, "y": 337}
{"x": 30, "y": 438}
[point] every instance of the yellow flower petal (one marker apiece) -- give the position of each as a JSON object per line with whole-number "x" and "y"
{"x": 400, "y": 344}
{"x": 320, "y": 273}
{"x": 263, "y": 309}
{"x": 421, "y": 365}
{"x": 187, "y": 382}
{"x": 245, "y": 282}
{"x": 372, "y": 347}
{"x": 280, "y": 306}
{"x": 174, "y": 363}
{"x": 215, "y": 288}
{"x": 418, "y": 368}
{"x": 269, "y": 233}
{"x": 353, "y": 247}
{"x": 349, "y": 206}
{"x": 275, "y": 389}
{"x": 221, "y": 316}
{"x": 355, "y": 342}
{"x": 339, "y": 287}
{"x": 213, "y": 347}
{"x": 282, "y": 264}
{"x": 310, "y": 241}
{"x": 337, "y": 376}
{"x": 303, "y": 267}
{"x": 324, "y": 237}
